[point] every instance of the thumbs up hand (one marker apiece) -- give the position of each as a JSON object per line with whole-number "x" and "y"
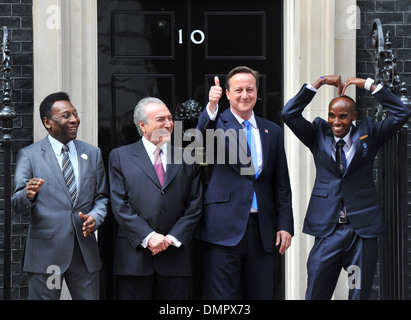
{"x": 214, "y": 95}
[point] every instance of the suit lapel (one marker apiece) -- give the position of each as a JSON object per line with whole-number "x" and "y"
{"x": 235, "y": 129}
{"x": 141, "y": 158}
{"x": 265, "y": 141}
{"x": 83, "y": 165}
{"x": 174, "y": 162}
{"x": 328, "y": 141}
{"x": 355, "y": 137}
{"x": 51, "y": 160}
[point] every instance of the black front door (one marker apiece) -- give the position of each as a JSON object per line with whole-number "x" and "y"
{"x": 172, "y": 50}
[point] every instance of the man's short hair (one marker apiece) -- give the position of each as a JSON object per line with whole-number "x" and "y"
{"x": 140, "y": 113}
{"x": 242, "y": 69}
{"x": 48, "y": 102}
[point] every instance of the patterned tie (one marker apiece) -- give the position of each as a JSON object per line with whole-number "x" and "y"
{"x": 158, "y": 166}
{"x": 340, "y": 156}
{"x": 253, "y": 151}
{"x": 342, "y": 164}
{"x": 68, "y": 174}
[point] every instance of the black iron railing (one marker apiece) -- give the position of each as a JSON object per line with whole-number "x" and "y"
{"x": 392, "y": 179}
{"x": 393, "y": 196}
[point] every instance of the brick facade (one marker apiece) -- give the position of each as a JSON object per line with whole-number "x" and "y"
{"x": 16, "y": 15}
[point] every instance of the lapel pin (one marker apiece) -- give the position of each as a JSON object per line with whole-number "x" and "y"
{"x": 84, "y": 156}
{"x": 266, "y": 130}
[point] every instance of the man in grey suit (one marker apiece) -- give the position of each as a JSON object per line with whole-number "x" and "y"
{"x": 65, "y": 192}
{"x": 157, "y": 201}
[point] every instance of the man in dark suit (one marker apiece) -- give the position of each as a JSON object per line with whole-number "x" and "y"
{"x": 343, "y": 214}
{"x": 61, "y": 241}
{"x": 247, "y": 214}
{"x": 156, "y": 200}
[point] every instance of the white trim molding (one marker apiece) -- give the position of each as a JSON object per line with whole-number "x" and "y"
{"x": 66, "y": 59}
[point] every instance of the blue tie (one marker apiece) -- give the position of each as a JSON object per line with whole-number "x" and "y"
{"x": 253, "y": 150}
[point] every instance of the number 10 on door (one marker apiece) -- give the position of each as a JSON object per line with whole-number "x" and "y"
{"x": 197, "y": 36}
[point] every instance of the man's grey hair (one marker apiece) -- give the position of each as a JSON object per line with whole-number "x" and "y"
{"x": 140, "y": 113}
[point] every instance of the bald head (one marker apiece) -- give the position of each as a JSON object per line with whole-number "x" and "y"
{"x": 341, "y": 113}
{"x": 350, "y": 103}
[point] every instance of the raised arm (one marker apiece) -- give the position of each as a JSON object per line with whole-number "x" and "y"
{"x": 206, "y": 121}
{"x": 293, "y": 110}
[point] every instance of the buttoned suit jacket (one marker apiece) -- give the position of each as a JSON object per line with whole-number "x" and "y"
{"x": 141, "y": 205}
{"x": 356, "y": 187}
{"x": 228, "y": 197}
{"x": 54, "y": 220}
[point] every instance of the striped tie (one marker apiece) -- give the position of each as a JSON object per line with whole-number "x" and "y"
{"x": 68, "y": 174}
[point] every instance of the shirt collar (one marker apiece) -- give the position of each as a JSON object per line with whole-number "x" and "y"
{"x": 57, "y": 145}
{"x": 347, "y": 138}
{"x": 252, "y": 120}
{"x": 151, "y": 147}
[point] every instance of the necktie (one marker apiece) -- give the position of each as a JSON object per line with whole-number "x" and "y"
{"x": 340, "y": 156}
{"x": 68, "y": 174}
{"x": 158, "y": 165}
{"x": 253, "y": 151}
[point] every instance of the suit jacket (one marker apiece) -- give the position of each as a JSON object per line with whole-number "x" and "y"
{"x": 228, "y": 198}
{"x": 54, "y": 221}
{"x": 356, "y": 187}
{"x": 141, "y": 205}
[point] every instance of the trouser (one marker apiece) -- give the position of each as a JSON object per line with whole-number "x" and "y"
{"x": 81, "y": 284}
{"x": 153, "y": 286}
{"x": 243, "y": 271}
{"x": 341, "y": 249}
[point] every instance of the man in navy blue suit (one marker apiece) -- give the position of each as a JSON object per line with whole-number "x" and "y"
{"x": 343, "y": 214}
{"x": 247, "y": 216}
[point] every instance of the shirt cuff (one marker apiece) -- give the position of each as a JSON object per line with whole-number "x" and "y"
{"x": 379, "y": 86}
{"x": 144, "y": 243}
{"x": 176, "y": 243}
{"x": 212, "y": 116}
{"x": 310, "y": 87}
